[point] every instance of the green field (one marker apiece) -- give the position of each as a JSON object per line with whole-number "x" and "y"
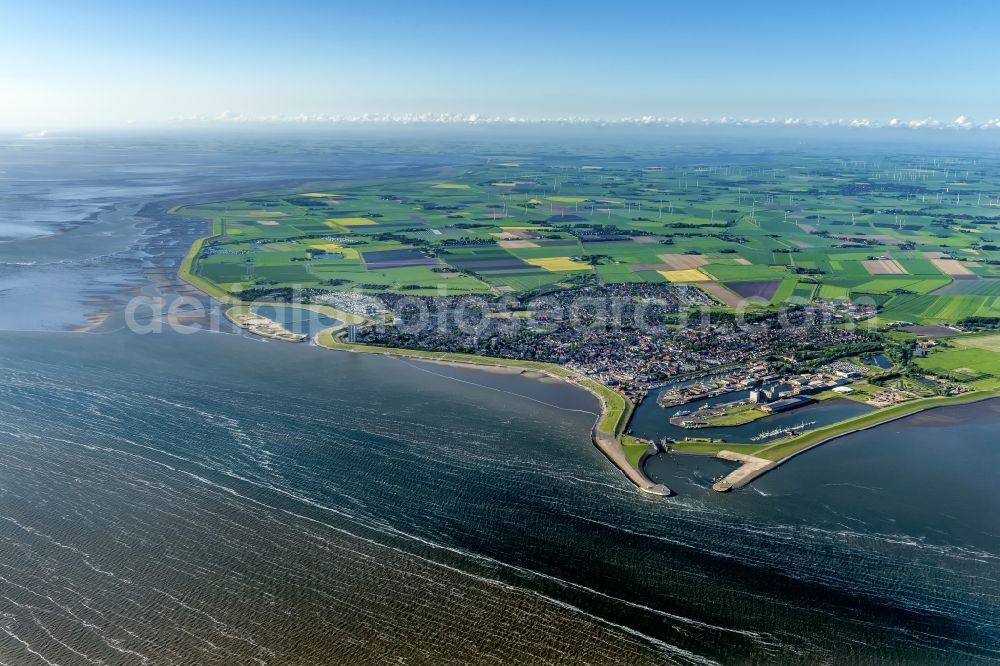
{"x": 974, "y": 360}
{"x": 518, "y": 227}
{"x": 634, "y": 449}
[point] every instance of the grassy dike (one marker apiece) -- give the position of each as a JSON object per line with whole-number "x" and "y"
{"x": 186, "y": 272}
{"x": 785, "y": 449}
{"x": 757, "y": 461}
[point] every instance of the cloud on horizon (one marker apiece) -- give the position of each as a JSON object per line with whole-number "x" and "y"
{"x": 962, "y": 122}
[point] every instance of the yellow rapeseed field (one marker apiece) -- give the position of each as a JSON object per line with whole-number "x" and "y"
{"x": 688, "y": 275}
{"x": 558, "y": 264}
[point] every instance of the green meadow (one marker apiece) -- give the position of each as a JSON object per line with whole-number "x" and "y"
{"x": 801, "y": 228}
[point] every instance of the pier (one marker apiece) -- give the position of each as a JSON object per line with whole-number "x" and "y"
{"x": 751, "y": 468}
{"x": 792, "y": 431}
{"x": 611, "y": 447}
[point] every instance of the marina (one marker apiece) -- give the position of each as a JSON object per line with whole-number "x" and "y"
{"x": 790, "y": 431}
{"x": 651, "y": 422}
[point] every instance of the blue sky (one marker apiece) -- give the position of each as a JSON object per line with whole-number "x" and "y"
{"x": 68, "y": 64}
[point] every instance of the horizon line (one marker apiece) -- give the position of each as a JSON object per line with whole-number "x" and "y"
{"x": 229, "y": 118}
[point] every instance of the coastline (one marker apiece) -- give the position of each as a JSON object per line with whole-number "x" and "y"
{"x": 241, "y": 315}
{"x": 615, "y": 411}
{"x": 244, "y": 317}
{"x": 605, "y": 433}
{"x": 607, "y": 429}
{"x": 612, "y": 420}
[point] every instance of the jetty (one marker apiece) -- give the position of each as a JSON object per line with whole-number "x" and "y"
{"x": 750, "y": 469}
{"x": 610, "y": 445}
{"x": 788, "y": 430}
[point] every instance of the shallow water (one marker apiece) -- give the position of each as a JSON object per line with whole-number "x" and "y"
{"x": 76, "y": 235}
{"x": 297, "y": 320}
{"x": 219, "y": 498}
